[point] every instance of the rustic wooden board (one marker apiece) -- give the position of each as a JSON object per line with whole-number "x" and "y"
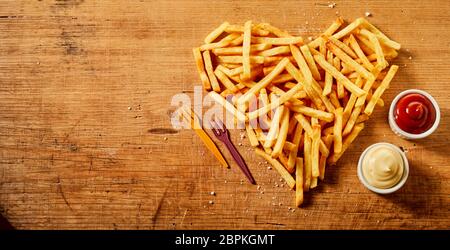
{"x": 72, "y": 156}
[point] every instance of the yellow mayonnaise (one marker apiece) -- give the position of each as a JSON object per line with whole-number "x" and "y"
{"x": 383, "y": 166}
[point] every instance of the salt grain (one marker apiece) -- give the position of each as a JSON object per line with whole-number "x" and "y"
{"x": 212, "y": 193}
{"x": 368, "y": 14}
{"x": 331, "y": 5}
{"x": 410, "y": 58}
{"x": 240, "y": 144}
{"x": 269, "y": 168}
{"x": 165, "y": 138}
{"x": 129, "y": 108}
{"x": 211, "y": 202}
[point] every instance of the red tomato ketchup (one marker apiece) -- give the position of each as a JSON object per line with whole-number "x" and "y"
{"x": 414, "y": 113}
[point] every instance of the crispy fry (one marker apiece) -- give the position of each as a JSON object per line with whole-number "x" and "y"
{"x": 381, "y": 60}
{"x": 246, "y": 50}
{"x": 383, "y": 86}
{"x": 337, "y": 131}
{"x": 251, "y": 135}
{"x": 238, "y": 50}
{"x": 315, "y": 151}
{"x": 328, "y": 32}
{"x": 275, "y": 51}
{"x": 226, "y": 81}
{"x": 308, "y": 168}
{"x": 239, "y": 59}
{"x": 281, "y": 138}
{"x": 274, "y": 127}
{"x": 216, "y": 33}
{"x": 201, "y": 68}
{"x": 228, "y": 106}
{"x": 346, "y": 143}
{"x": 319, "y": 114}
{"x": 296, "y": 140}
{"x": 311, "y": 63}
{"x": 210, "y": 72}
{"x": 278, "y": 40}
{"x": 328, "y": 77}
{"x": 274, "y": 30}
{"x": 355, "y": 46}
{"x": 299, "y": 181}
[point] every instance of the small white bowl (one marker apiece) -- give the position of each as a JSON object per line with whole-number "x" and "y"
{"x": 398, "y": 131}
{"x": 387, "y": 190}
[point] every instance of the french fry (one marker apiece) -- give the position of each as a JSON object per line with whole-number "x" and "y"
{"x": 238, "y": 50}
{"x": 334, "y": 157}
{"x": 201, "y": 68}
{"x": 328, "y": 77}
{"x": 282, "y": 78}
{"x": 351, "y": 102}
{"x": 299, "y": 181}
{"x": 368, "y": 86}
{"x": 216, "y": 33}
{"x": 277, "y": 165}
{"x": 355, "y": 46}
{"x": 239, "y": 59}
{"x": 251, "y": 135}
{"x": 274, "y": 30}
{"x": 238, "y": 41}
{"x": 328, "y": 32}
{"x": 339, "y": 76}
{"x": 337, "y": 130}
{"x": 383, "y": 86}
{"x": 278, "y": 40}
{"x": 382, "y": 37}
{"x": 311, "y": 63}
{"x": 211, "y": 46}
{"x": 228, "y": 106}
{"x": 308, "y": 129}
{"x": 319, "y": 114}
{"x": 296, "y": 140}
{"x": 362, "y": 118}
{"x": 322, "y": 165}
{"x": 351, "y": 120}
{"x": 281, "y": 138}
{"x": 315, "y": 151}
{"x": 308, "y": 168}
{"x": 340, "y": 91}
{"x": 381, "y": 60}
{"x": 288, "y": 146}
{"x": 347, "y": 30}
{"x": 210, "y": 72}
{"x": 246, "y": 50}
{"x": 226, "y": 81}
{"x": 274, "y": 127}
{"x": 275, "y": 51}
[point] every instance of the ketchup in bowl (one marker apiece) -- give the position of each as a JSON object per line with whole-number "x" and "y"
{"x": 414, "y": 113}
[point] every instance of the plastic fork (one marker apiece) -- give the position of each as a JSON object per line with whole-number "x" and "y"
{"x": 221, "y": 132}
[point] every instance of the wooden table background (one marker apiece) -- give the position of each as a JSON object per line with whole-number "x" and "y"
{"x": 72, "y": 156}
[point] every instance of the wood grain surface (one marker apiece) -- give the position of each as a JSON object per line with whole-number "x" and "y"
{"x": 73, "y": 156}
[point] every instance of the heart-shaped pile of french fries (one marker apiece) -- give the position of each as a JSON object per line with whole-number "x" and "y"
{"x": 312, "y": 99}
